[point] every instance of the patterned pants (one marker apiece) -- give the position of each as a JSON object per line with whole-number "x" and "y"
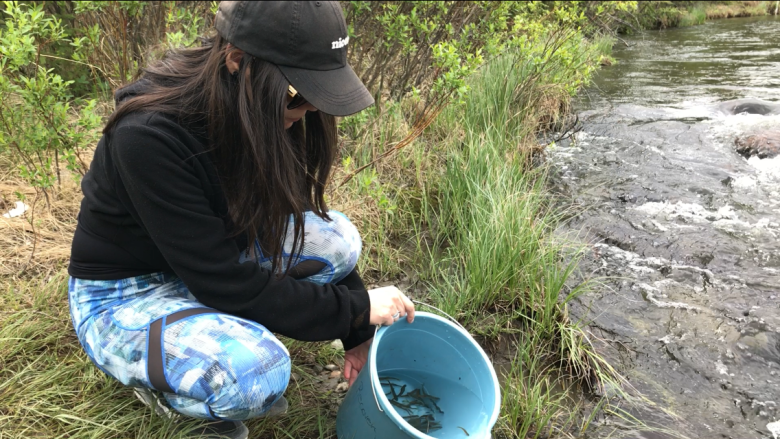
{"x": 215, "y": 365}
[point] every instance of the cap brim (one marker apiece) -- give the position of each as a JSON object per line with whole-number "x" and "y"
{"x": 337, "y": 92}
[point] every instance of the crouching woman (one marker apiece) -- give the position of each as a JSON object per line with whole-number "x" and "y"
{"x": 203, "y": 229}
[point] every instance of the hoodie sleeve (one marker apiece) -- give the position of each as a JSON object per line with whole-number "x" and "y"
{"x": 169, "y": 201}
{"x": 361, "y": 332}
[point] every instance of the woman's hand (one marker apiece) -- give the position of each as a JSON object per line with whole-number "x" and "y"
{"x": 389, "y": 304}
{"x": 354, "y": 360}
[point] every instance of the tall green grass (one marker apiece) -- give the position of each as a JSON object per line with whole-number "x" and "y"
{"x": 692, "y": 17}
{"x": 503, "y": 260}
{"x": 491, "y": 207}
{"x": 474, "y": 223}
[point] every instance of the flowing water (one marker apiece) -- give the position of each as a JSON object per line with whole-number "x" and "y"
{"x": 684, "y": 231}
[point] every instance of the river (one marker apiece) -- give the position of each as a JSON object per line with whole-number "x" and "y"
{"x": 683, "y": 233}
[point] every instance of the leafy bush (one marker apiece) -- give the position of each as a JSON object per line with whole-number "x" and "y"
{"x": 399, "y": 46}
{"x": 54, "y": 52}
{"x": 41, "y": 122}
{"x": 119, "y": 38}
{"x": 418, "y": 49}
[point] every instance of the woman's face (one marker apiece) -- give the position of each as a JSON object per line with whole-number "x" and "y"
{"x": 290, "y": 116}
{"x": 294, "y": 115}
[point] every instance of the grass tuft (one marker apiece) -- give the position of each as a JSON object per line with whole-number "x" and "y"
{"x": 693, "y": 17}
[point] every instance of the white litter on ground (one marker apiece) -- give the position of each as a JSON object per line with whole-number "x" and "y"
{"x": 19, "y": 210}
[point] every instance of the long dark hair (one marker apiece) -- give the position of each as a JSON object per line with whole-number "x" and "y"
{"x": 267, "y": 173}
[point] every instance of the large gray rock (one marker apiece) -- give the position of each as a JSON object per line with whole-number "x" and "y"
{"x": 749, "y": 106}
{"x": 765, "y": 144}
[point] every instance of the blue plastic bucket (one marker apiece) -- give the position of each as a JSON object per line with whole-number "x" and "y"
{"x": 454, "y": 383}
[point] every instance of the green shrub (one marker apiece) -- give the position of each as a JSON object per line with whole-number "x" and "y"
{"x": 396, "y": 47}
{"x": 54, "y": 53}
{"x": 41, "y": 122}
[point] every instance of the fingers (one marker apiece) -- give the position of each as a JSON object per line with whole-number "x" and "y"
{"x": 348, "y": 371}
{"x": 404, "y": 306}
{"x": 389, "y": 304}
{"x": 409, "y": 307}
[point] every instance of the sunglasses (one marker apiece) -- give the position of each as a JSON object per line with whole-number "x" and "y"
{"x": 297, "y": 99}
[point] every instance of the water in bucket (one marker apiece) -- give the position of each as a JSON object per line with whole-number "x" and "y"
{"x": 427, "y": 379}
{"x": 433, "y": 405}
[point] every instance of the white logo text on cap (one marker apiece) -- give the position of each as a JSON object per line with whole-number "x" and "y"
{"x": 340, "y": 43}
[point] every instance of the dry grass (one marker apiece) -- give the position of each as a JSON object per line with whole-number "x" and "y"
{"x": 737, "y": 9}
{"x": 37, "y": 243}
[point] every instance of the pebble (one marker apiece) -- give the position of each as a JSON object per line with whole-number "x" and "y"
{"x": 317, "y": 368}
{"x": 331, "y": 367}
{"x": 337, "y": 345}
{"x": 342, "y": 387}
{"x": 335, "y": 374}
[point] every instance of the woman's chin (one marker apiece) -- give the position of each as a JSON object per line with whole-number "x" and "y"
{"x": 289, "y": 122}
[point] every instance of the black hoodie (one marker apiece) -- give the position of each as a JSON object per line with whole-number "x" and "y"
{"x": 153, "y": 203}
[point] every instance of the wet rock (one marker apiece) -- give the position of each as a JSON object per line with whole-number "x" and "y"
{"x": 765, "y": 144}
{"x": 764, "y": 345}
{"x": 749, "y": 106}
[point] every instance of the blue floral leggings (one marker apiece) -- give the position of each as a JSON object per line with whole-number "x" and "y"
{"x": 215, "y": 365}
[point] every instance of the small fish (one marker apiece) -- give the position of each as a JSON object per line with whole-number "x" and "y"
{"x": 401, "y": 406}
{"x": 428, "y": 395}
{"x": 437, "y": 407}
{"x": 387, "y": 378}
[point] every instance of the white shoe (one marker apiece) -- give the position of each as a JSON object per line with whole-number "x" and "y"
{"x": 208, "y": 430}
{"x": 221, "y": 430}
{"x": 150, "y": 398}
{"x": 279, "y": 408}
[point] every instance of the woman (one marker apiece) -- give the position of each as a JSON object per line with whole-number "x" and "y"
{"x": 203, "y": 227}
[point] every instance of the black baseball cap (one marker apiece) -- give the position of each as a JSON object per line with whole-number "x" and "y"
{"x": 307, "y": 41}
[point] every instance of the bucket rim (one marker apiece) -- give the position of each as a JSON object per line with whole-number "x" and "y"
{"x": 382, "y": 400}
